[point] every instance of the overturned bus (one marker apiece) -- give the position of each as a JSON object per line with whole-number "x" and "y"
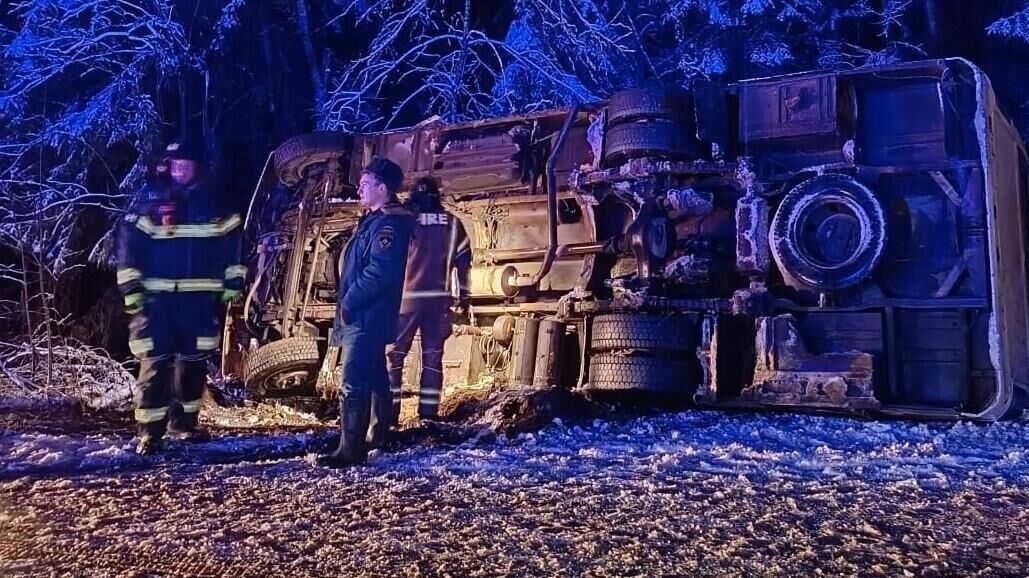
{"x": 851, "y": 241}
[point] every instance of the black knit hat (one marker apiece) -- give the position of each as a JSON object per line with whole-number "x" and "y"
{"x": 387, "y": 172}
{"x": 427, "y": 186}
{"x": 185, "y": 149}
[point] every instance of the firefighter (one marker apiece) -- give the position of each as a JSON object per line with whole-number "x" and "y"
{"x": 367, "y": 311}
{"x": 178, "y": 257}
{"x": 440, "y": 245}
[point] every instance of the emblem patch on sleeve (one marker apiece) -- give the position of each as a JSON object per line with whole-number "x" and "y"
{"x": 386, "y": 238}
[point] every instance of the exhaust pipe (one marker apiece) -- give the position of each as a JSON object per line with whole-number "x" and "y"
{"x": 548, "y": 258}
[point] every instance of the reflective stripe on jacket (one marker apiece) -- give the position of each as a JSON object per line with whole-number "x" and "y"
{"x": 439, "y": 245}
{"x": 185, "y": 244}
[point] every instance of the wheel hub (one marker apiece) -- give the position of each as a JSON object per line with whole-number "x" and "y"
{"x": 830, "y": 233}
{"x": 288, "y": 380}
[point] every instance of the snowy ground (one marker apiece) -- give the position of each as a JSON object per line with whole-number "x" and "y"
{"x": 695, "y": 493}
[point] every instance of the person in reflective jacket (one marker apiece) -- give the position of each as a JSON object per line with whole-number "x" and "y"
{"x": 369, "y": 293}
{"x": 178, "y": 256}
{"x": 440, "y": 247}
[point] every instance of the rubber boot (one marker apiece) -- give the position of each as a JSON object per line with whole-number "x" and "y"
{"x": 151, "y": 437}
{"x": 382, "y": 420}
{"x": 355, "y": 413}
{"x": 185, "y": 426}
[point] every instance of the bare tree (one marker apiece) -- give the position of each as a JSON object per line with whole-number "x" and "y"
{"x": 431, "y": 51}
{"x": 1015, "y": 26}
{"x": 78, "y": 102}
{"x": 434, "y": 57}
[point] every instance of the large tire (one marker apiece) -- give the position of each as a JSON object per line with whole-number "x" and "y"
{"x": 612, "y": 373}
{"x": 638, "y": 103}
{"x": 672, "y": 333}
{"x": 294, "y": 157}
{"x": 284, "y": 367}
{"x": 829, "y": 233}
{"x": 655, "y": 138}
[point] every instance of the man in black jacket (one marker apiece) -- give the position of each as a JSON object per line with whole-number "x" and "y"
{"x": 367, "y": 311}
{"x": 178, "y": 255}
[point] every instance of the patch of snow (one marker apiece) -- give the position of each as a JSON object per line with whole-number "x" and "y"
{"x": 692, "y": 493}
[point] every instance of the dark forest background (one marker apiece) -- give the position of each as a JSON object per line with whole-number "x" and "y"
{"x": 88, "y": 89}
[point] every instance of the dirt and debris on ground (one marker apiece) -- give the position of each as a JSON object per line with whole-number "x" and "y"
{"x": 687, "y": 492}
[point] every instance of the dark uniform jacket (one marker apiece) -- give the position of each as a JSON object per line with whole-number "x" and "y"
{"x": 182, "y": 243}
{"x": 372, "y": 279}
{"x": 440, "y": 245}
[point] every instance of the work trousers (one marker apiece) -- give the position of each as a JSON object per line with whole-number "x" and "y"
{"x": 435, "y": 324}
{"x": 363, "y": 377}
{"x": 173, "y": 337}
{"x": 363, "y": 366}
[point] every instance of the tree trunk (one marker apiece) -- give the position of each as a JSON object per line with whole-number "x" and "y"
{"x": 462, "y": 64}
{"x": 932, "y": 24}
{"x": 317, "y": 80}
{"x": 47, "y": 321}
{"x": 26, "y": 311}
